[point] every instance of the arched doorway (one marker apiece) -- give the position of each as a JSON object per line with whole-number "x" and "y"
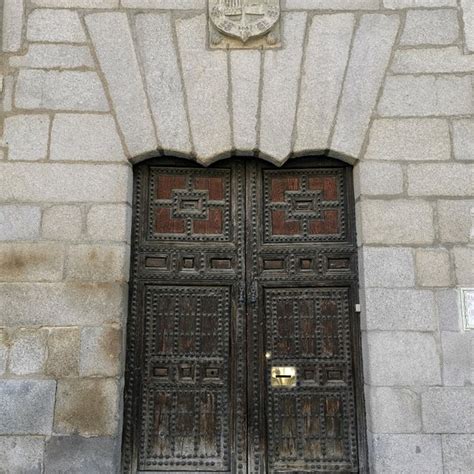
{"x": 243, "y": 349}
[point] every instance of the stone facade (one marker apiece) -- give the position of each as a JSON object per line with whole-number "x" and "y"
{"x": 90, "y": 87}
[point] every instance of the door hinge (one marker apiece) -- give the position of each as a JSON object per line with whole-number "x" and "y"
{"x": 253, "y": 292}
{"x": 357, "y": 308}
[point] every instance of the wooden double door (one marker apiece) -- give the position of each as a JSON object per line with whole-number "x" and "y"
{"x": 243, "y": 349}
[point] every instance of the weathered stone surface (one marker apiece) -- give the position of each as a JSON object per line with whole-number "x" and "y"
{"x": 458, "y": 453}
{"x": 100, "y": 351}
{"x": 52, "y": 56}
{"x": 387, "y": 267}
{"x": 433, "y": 267}
{"x": 399, "y": 310}
{"x": 407, "y": 453}
{"x": 394, "y": 4}
{"x": 62, "y": 304}
{"x": 458, "y": 358}
{"x": 440, "y": 179}
{"x": 206, "y": 84}
{"x": 63, "y": 352}
{"x": 330, "y": 4}
{"x": 87, "y": 407}
{"x": 402, "y": 358}
{"x": 77, "y": 3}
{"x": 464, "y": 265}
{"x": 447, "y": 409}
{"x": 426, "y": 95}
{"x": 430, "y": 27}
{"x": 112, "y": 39}
{"x": 431, "y": 60}
{"x": 369, "y": 58}
{"x": 162, "y": 76}
{"x": 245, "y": 76}
{"x": 105, "y": 263}
{"x": 280, "y": 89}
{"x": 31, "y": 262}
{"x": 463, "y": 139}
{"x": 394, "y": 410}
{"x": 327, "y": 52}
{"x": 4, "y": 346}
{"x": 27, "y": 351}
{"x": 85, "y": 137}
{"x": 454, "y": 220}
{"x": 60, "y": 90}
{"x": 468, "y": 19}
{"x": 8, "y": 87}
{"x": 372, "y": 178}
{"x": 165, "y": 4}
{"x": 62, "y": 223}
{"x": 21, "y": 454}
{"x": 109, "y": 222}
{"x": 77, "y": 455}
{"x": 13, "y": 16}
{"x": 26, "y": 137}
{"x": 382, "y": 222}
{"x": 29, "y": 182}
{"x": 448, "y": 310}
{"x": 26, "y": 406}
{"x": 55, "y": 26}
{"x": 409, "y": 139}
{"x": 19, "y": 222}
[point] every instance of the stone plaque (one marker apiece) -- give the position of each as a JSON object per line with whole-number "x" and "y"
{"x": 467, "y": 302}
{"x": 244, "y": 24}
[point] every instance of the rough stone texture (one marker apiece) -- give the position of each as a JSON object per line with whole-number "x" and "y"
{"x": 76, "y": 3}
{"x": 468, "y": 18}
{"x": 330, "y": 4}
{"x": 165, "y": 4}
{"x": 369, "y": 58}
{"x": 394, "y": 410}
{"x": 280, "y": 89}
{"x": 446, "y": 410}
{"x": 54, "y": 56}
{"x": 458, "y": 453}
{"x": 31, "y": 262}
{"x": 382, "y": 222}
{"x": 430, "y": 27}
{"x": 62, "y": 223}
{"x": 433, "y": 268}
{"x": 440, "y": 179}
{"x": 326, "y": 56}
{"x": 77, "y": 455}
{"x": 26, "y": 406}
{"x": 448, "y": 310}
{"x": 104, "y": 263}
{"x": 60, "y": 90}
{"x": 26, "y": 137}
{"x": 463, "y": 261}
{"x": 78, "y": 183}
{"x": 21, "y": 454}
{"x": 62, "y": 304}
{"x": 112, "y": 39}
{"x": 454, "y": 220}
{"x": 63, "y": 352}
{"x": 13, "y": 15}
{"x": 84, "y": 137}
{"x": 402, "y": 358}
{"x": 100, "y": 351}
{"x": 418, "y": 3}
{"x": 245, "y": 76}
{"x": 162, "y": 76}
{"x": 387, "y": 267}
{"x": 398, "y": 310}
{"x": 406, "y": 454}
{"x": 458, "y": 358}
{"x": 55, "y": 26}
{"x": 4, "y": 346}
{"x": 109, "y": 222}
{"x": 87, "y": 407}
{"x": 371, "y": 178}
{"x": 27, "y": 351}
{"x": 19, "y": 222}
{"x": 463, "y": 139}
{"x": 206, "y": 82}
{"x": 409, "y": 139}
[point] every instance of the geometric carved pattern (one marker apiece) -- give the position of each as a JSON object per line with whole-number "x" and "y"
{"x": 304, "y": 205}
{"x": 189, "y": 205}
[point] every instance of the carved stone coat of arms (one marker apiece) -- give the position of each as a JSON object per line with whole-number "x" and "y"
{"x": 244, "y": 20}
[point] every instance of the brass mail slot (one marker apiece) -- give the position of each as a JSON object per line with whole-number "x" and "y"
{"x": 284, "y": 377}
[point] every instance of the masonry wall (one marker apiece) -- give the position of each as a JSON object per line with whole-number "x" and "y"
{"x": 90, "y": 87}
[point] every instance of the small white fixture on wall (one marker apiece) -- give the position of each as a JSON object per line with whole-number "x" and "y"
{"x": 467, "y": 307}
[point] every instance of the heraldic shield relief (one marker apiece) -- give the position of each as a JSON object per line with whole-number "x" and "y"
{"x": 244, "y": 19}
